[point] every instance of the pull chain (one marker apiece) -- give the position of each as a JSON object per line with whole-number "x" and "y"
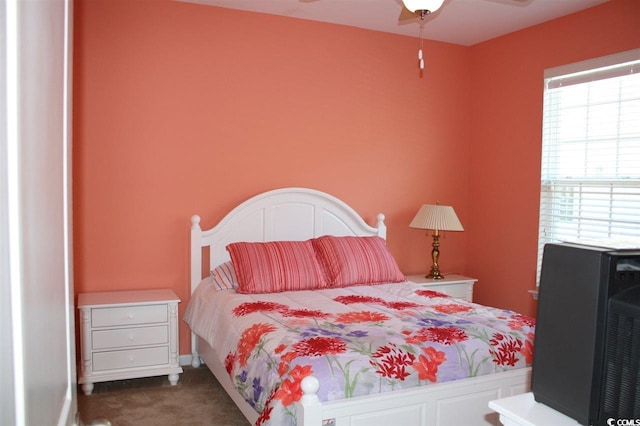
{"x": 423, "y": 13}
{"x": 420, "y": 58}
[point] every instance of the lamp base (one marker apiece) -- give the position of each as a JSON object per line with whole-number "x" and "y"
{"x": 434, "y": 275}
{"x": 435, "y": 253}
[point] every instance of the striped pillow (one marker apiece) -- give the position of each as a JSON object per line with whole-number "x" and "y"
{"x": 276, "y": 266}
{"x": 356, "y": 260}
{"x": 224, "y": 276}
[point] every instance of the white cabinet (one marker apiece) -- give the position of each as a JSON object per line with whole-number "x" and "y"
{"x": 128, "y": 334}
{"x": 453, "y": 285}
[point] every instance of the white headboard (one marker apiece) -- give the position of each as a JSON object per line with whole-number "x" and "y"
{"x": 293, "y": 214}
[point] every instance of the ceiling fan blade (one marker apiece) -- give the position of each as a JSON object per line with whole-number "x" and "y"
{"x": 512, "y": 2}
{"x": 407, "y": 15}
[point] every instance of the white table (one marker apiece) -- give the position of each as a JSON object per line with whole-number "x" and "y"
{"x": 128, "y": 334}
{"x": 523, "y": 410}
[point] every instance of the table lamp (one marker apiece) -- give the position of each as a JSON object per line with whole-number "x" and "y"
{"x": 437, "y": 218}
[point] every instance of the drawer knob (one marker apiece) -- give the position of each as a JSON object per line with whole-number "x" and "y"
{"x": 130, "y": 337}
{"x": 131, "y": 316}
{"x": 132, "y": 358}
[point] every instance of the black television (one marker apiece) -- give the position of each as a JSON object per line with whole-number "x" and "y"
{"x": 586, "y": 361}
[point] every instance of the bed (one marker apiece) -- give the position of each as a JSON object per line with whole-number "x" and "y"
{"x": 399, "y": 375}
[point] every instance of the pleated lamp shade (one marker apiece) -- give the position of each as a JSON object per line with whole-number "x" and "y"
{"x": 436, "y": 217}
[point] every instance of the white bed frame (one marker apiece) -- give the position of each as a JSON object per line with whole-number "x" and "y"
{"x": 300, "y": 214}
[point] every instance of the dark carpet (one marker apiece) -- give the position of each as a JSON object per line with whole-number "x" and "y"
{"x": 197, "y": 400}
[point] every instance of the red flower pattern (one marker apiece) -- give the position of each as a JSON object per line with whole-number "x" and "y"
{"x": 427, "y": 364}
{"x": 290, "y": 391}
{"x": 229, "y": 361}
{"x": 527, "y": 349}
{"x": 283, "y": 367}
{"x": 251, "y": 307}
{"x": 431, "y": 293}
{"x": 452, "y": 308}
{"x": 266, "y": 412}
{"x": 289, "y": 356}
{"x": 250, "y": 339}
{"x": 398, "y": 305}
{"x": 518, "y": 321}
{"x": 348, "y": 300}
{"x": 319, "y": 346}
{"x": 504, "y": 349}
{"x": 401, "y": 305}
{"x": 360, "y": 316}
{"x": 285, "y": 359}
{"x": 443, "y": 335}
{"x": 303, "y": 313}
{"x": 392, "y": 362}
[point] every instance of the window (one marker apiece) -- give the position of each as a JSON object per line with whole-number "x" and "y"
{"x": 590, "y": 177}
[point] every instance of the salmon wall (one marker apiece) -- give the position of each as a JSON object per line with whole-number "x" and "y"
{"x": 506, "y": 135}
{"x": 183, "y": 109}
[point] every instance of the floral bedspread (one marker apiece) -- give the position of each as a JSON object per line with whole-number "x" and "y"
{"x": 356, "y": 340}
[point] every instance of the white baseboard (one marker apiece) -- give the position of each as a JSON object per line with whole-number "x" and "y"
{"x": 184, "y": 360}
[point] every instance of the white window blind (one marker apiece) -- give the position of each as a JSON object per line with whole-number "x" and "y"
{"x": 590, "y": 176}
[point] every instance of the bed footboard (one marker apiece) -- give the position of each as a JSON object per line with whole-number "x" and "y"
{"x": 453, "y": 403}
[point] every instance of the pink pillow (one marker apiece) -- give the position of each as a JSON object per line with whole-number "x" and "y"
{"x": 356, "y": 260}
{"x": 276, "y": 266}
{"x": 224, "y": 277}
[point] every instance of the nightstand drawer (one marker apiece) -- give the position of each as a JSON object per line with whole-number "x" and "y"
{"x": 453, "y": 285}
{"x": 130, "y": 359}
{"x": 127, "y": 337}
{"x": 128, "y": 315}
{"x": 462, "y": 291}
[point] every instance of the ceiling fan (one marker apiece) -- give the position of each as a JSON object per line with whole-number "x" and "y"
{"x": 423, "y": 8}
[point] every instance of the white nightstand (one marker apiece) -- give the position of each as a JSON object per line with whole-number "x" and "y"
{"x": 523, "y": 410}
{"x": 128, "y": 334}
{"x": 452, "y": 284}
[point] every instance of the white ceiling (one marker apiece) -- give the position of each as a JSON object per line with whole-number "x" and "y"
{"x": 464, "y": 22}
